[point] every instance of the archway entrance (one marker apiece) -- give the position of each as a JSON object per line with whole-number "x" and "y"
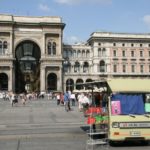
{"x": 27, "y": 67}
{"x": 3, "y": 82}
{"x": 52, "y": 82}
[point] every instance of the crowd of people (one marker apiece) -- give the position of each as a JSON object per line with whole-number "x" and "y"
{"x": 20, "y": 98}
{"x": 70, "y": 99}
{"x": 67, "y": 99}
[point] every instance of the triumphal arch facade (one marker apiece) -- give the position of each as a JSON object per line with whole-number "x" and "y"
{"x": 30, "y": 53}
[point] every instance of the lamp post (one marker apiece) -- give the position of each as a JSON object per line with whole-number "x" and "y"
{"x": 65, "y": 68}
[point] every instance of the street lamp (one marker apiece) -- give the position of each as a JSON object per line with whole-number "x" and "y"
{"x": 65, "y": 68}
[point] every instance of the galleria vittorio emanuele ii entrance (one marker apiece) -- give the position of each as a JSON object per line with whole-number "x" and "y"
{"x": 27, "y": 68}
{"x": 31, "y": 53}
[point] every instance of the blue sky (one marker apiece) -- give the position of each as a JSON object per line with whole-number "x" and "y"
{"x": 82, "y": 17}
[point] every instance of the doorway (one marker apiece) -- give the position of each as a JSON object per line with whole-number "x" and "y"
{"x": 27, "y": 69}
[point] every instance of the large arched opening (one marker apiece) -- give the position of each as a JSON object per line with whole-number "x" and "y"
{"x": 3, "y": 82}
{"x": 27, "y": 68}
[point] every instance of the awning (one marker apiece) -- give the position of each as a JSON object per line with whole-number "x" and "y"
{"x": 129, "y": 85}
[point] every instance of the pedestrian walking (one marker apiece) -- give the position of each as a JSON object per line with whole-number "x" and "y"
{"x": 23, "y": 98}
{"x": 73, "y": 99}
{"x": 58, "y": 98}
{"x": 67, "y": 101}
{"x": 13, "y": 99}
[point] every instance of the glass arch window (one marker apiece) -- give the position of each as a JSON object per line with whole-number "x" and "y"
{"x": 28, "y": 49}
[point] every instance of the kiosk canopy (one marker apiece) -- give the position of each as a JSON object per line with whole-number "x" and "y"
{"x": 129, "y": 85}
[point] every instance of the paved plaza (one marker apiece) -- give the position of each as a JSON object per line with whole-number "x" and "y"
{"x": 41, "y": 125}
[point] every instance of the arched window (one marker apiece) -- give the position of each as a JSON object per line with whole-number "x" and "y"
{"x": 77, "y": 67}
{"x": 102, "y": 66}
{"x": 78, "y": 86}
{"x": 54, "y": 48}
{"x": 69, "y": 85}
{"x": 1, "y": 48}
{"x": 88, "y": 87}
{"x": 28, "y": 49}
{"x": 85, "y": 67}
{"x": 49, "y": 47}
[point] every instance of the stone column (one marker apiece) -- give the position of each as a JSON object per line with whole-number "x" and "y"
{"x": 42, "y": 78}
{"x": 59, "y": 45}
{"x": 95, "y": 68}
{"x": 10, "y": 81}
{"x": 59, "y": 79}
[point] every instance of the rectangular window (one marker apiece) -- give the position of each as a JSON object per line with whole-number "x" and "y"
{"x": 141, "y": 68}
{"x": 99, "y": 52}
{"x": 115, "y": 68}
{"x": 141, "y": 53}
{"x": 124, "y": 68}
{"x": 123, "y": 54}
{"x": 114, "y": 53}
{"x": 149, "y": 53}
{"x": 132, "y": 54}
{"x": 132, "y": 68}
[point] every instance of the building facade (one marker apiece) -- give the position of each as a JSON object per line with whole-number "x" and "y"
{"x": 105, "y": 55}
{"x": 34, "y": 58}
{"x": 30, "y": 53}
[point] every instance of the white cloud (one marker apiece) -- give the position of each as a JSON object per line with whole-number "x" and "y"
{"x": 146, "y": 19}
{"x": 72, "y": 2}
{"x": 44, "y": 7}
